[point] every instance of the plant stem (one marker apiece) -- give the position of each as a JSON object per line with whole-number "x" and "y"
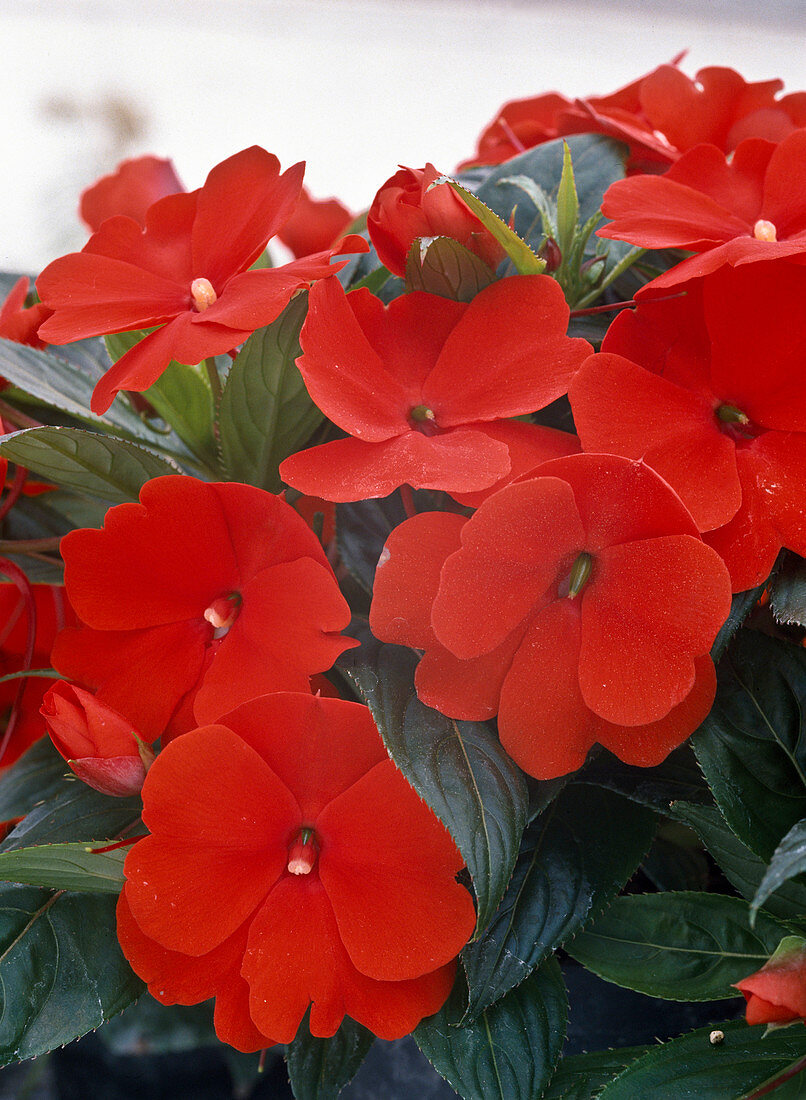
{"x": 17, "y": 418}
{"x": 24, "y": 546}
{"x": 786, "y": 1075}
{"x": 215, "y": 380}
{"x": 619, "y": 269}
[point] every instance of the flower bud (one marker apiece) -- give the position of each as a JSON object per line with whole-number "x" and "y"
{"x": 407, "y": 208}
{"x": 776, "y": 994}
{"x": 98, "y": 743}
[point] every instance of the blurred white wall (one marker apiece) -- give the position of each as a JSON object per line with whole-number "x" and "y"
{"x": 352, "y": 86}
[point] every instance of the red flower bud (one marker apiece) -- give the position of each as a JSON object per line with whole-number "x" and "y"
{"x": 776, "y": 994}
{"x": 99, "y": 744}
{"x": 405, "y": 209}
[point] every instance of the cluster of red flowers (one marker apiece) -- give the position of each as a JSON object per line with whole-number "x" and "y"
{"x": 573, "y": 587}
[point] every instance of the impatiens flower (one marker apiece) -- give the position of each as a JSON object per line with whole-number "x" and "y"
{"x": 186, "y": 274}
{"x": 709, "y": 389}
{"x": 422, "y": 384}
{"x": 19, "y": 322}
{"x": 579, "y": 604}
{"x": 135, "y": 185}
{"x": 100, "y": 745}
{"x": 405, "y": 209}
{"x": 291, "y": 866}
{"x": 200, "y": 596}
{"x": 749, "y": 207}
{"x": 776, "y": 994}
{"x": 53, "y": 612}
{"x": 314, "y": 225}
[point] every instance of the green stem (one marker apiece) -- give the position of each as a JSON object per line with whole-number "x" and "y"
{"x": 214, "y": 379}
{"x": 24, "y": 546}
{"x": 624, "y": 263}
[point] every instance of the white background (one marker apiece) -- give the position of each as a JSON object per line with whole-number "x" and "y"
{"x": 352, "y": 86}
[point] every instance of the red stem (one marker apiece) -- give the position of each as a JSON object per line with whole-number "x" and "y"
{"x": 407, "y": 497}
{"x": 17, "y": 485}
{"x": 787, "y": 1075}
{"x": 16, "y": 575}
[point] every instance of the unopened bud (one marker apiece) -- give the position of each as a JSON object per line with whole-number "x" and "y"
{"x": 550, "y": 252}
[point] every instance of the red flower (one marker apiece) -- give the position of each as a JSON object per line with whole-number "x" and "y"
{"x": 100, "y": 745}
{"x": 20, "y": 323}
{"x": 186, "y": 272}
{"x": 200, "y": 596}
{"x": 422, "y": 384}
{"x": 679, "y": 384}
{"x": 579, "y": 604}
{"x": 291, "y": 865}
{"x": 315, "y": 225}
{"x": 729, "y": 211}
{"x": 405, "y": 209}
{"x": 52, "y": 613}
{"x": 776, "y": 994}
{"x": 135, "y": 185}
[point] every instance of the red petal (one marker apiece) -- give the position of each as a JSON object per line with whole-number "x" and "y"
{"x": 469, "y": 690}
{"x": 252, "y": 300}
{"x": 407, "y": 577}
{"x": 650, "y": 608}
{"x": 327, "y": 746}
{"x": 602, "y": 484}
{"x": 647, "y": 746}
{"x": 287, "y": 629}
{"x": 351, "y": 469}
{"x": 672, "y": 429}
{"x": 508, "y": 355}
{"x": 243, "y": 203}
{"x": 543, "y": 721}
{"x": 512, "y": 551}
{"x": 130, "y": 189}
{"x": 390, "y": 879}
{"x": 785, "y": 186}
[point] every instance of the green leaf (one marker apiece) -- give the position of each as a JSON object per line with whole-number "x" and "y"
{"x": 741, "y": 606}
{"x": 441, "y": 265}
{"x": 752, "y": 746}
{"x": 458, "y": 768}
{"x": 692, "y": 1068}
{"x": 598, "y": 161}
{"x": 676, "y": 860}
{"x": 266, "y": 413}
{"x": 320, "y": 1068}
{"x": 69, "y": 866}
{"x": 524, "y": 260}
{"x": 788, "y": 860}
{"x": 38, "y": 775}
{"x": 62, "y": 972}
{"x": 677, "y": 778}
{"x": 574, "y": 858}
{"x": 113, "y": 469}
{"x": 182, "y": 397}
{"x": 77, "y": 813}
{"x": 567, "y": 204}
{"x": 511, "y": 1051}
{"x": 788, "y": 593}
{"x": 742, "y": 867}
{"x": 65, "y": 378}
{"x": 583, "y": 1076}
{"x": 680, "y": 947}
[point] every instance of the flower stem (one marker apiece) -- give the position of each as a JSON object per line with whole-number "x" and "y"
{"x": 214, "y": 379}
{"x": 786, "y": 1075}
{"x": 407, "y": 497}
{"x": 624, "y": 263}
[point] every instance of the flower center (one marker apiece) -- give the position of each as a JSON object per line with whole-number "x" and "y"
{"x": 736, "y": 424}
{"x": 203, "y": 294}
{"x": 765, "y": 231}
{"x": 580, "y": 574}
{"x": 423, "y": 420}
{"x": 303, "y": 852}
{"x": 223, "y": 612}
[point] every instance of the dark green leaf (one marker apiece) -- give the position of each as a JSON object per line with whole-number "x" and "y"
{"x": 458, "y": 768}
{"x": 676, "y": 860}
{"x": 76, "y": 813}
{"x": 524, "y": 260}
{"x": 598, "y": 161}
{"x": 149, "y": 1027}
{"x": 742, "y": 867}
{"x": 692, "y": 1068}
{"x": 583, "y": 1076}
{"x": 62, "y": 972}
{"x": 67, "y": 866}
{"x": 511, "y": 1051}
{"x": 39, "y": 774}
{"x": 574, "y": 858}
{"x": 680, "y": 947}
{"x": 788, "y": 593}
{"x": 266, "y": 413}
{"x": 320, "y": 1068}
{"x": 183, "y": 398}
{"x": 740, "y": 607}
{"x": 677, "y": 778}
{"x": 441, "y": 265}
{"x": 752, "y": 746}
{"x": 363, "y": 526}
{"x": 113, "y": 469}
{"x": 788, "y": 860}
{"x": 65, "y": 378}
